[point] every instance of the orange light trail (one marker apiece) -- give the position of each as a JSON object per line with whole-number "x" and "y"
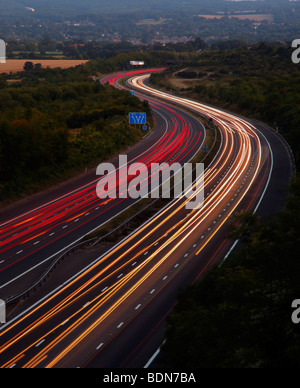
{"x": 235, "y": 132}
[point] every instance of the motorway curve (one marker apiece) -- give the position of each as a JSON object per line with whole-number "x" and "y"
{"x": 33, "y": 237}
{"x": 89, "y": 321}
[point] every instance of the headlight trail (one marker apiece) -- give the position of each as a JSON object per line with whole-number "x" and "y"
{"x": 31, "y": 239}
{"x": 67, "y": 320}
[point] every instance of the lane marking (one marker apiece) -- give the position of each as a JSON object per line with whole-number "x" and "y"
{"x": 40, "y": 343}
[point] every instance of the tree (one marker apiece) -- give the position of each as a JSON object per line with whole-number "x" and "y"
{"x": 3, "y": 82}
{"x": 239, "y": 314}
{"x": 47, "y": 45}
{"x": 38, "y": 66}
{"x": 29, "y": 66}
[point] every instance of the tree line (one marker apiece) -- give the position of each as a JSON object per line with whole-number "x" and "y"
{"x": 155, "y": 24}
{"x": 240, "y": 314}
{"x": 55, "y": 123}
{"x": 259, "y": 81}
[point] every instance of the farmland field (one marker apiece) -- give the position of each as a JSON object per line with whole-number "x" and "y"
{"x": 15, "y": 65}
{"x": 252, "y": 17}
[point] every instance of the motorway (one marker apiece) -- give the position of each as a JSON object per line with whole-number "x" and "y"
{"x": 112, "y": 313}
{"x": 34, "y": 233}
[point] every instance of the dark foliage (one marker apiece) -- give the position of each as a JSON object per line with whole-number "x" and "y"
{"x": 54, "y": 123}
{"x": 239, "y": 315}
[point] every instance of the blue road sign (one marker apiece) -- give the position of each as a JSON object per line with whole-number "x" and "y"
{"x": 145, "y": 128}
{"x": 137, "y": 118}
{"x": 132, "y": 92}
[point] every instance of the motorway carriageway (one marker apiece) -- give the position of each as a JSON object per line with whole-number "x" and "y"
{"x": 85, "y": 323}
{"x": 30, "y": 241}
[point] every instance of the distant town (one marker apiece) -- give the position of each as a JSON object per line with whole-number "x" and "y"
{"x": 250, "y": 22}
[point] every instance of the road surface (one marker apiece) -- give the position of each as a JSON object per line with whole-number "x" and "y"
{"x": 35, "y": 232}
{"x": 112, "y": 314}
